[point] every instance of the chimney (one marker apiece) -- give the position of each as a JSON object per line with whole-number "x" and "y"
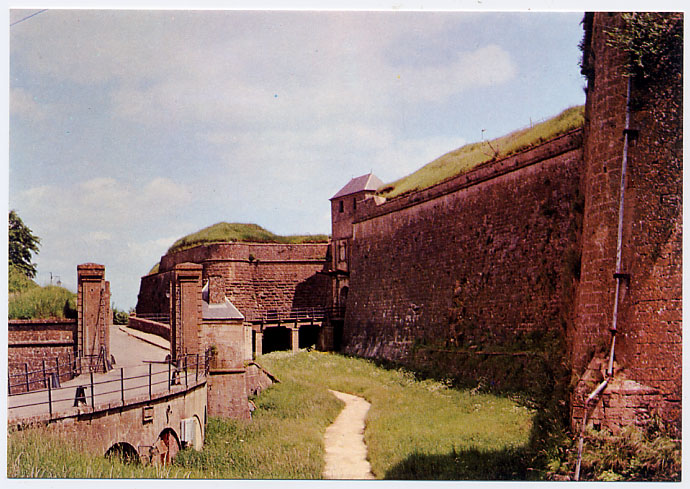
{"x": 216, "y": 289}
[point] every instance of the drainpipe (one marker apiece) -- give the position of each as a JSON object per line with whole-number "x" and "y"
{"x": 618, "y": 275}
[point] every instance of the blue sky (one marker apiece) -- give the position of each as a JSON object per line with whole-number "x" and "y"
{"x": 130, "y": 129}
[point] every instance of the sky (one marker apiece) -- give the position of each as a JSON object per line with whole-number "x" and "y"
{"x": 131, "y": 129}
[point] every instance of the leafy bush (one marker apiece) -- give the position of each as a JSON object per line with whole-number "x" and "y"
{"x": 43, "y": 302}
{"x": 633, "y": 454}
{"x": 120, "y": 317}
{"x": 18, "y": 280}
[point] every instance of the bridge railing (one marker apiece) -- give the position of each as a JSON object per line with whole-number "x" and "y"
{"x": 159, "y": 318}
{"x": 114, "y": 388}
{"x": 296, "y": 314}
{"x": 21, "y": 378}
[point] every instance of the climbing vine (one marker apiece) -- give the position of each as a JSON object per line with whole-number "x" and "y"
{"x": 654, "y": 42}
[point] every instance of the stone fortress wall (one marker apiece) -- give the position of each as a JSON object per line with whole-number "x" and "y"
{"x": 506, "y": 274}
{"x": 524, "y": 250}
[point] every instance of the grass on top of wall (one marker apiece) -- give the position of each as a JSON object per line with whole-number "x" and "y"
{"x": 224, "y": 232}
{"x": 471, "y": 155}
{"x": 42, "y": 302}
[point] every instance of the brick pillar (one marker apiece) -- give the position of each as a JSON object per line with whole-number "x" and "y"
{"x": 648, "y": 347}
{"x": 294, "y": 336}
{"x": 259, "y": 343}
{"x": 93, "y": 311}
{"x": 185, "y": 317}
{"x": 248, "y": 353}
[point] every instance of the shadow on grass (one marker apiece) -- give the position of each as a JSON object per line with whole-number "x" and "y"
{"x": 472, "y": 464}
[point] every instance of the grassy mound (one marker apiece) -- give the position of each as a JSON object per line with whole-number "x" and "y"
{"x": 42, "y": 302}
{"x": 224, "y": 232}
{"x": 469, "y": 156}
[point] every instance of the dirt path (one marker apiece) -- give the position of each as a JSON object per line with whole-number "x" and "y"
{"x": 346, "y": 453}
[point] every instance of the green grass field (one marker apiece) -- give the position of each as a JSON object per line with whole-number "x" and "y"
{"x": 416, "y": 429}
{"x": 421, "y": 429}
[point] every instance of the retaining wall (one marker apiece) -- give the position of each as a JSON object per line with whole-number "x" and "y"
{"x": 31, "y": 342}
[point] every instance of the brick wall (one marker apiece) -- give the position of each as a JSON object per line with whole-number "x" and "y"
{"x": 31, "y": 342}
{"x": 148, "y": 326}
{"x": 154, "y": 294}
{"x": 257, "y": 276}
{"x": 648, "y": 339}
{"x": 468, "y": 264}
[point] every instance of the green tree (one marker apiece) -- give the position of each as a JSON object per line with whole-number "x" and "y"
{"x": 22, "y": 242}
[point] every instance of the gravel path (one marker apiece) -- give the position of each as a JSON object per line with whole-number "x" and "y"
{"x": 346, "y": 453}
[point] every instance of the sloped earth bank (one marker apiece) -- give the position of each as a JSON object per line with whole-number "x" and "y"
{"x": 346, "y": 453}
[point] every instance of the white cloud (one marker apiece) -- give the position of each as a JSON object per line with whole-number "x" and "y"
{"x": 99, "y": 236}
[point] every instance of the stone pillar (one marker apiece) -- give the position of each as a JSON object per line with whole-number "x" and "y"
{"x": 294, "y": 336}
{"x": 185, "y": 317}
{"x": 248, "y": 353}
{"x": 259, "y": 340}
{"x": 93, "y": 312}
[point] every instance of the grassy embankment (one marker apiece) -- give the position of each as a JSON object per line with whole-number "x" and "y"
{"x": 471, "y": 155}
{"x": 415, "y": 430}
{"x": 224, "y": 232}
{"x": 27, "y": 300}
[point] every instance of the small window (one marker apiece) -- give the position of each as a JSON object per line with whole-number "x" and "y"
{"x": 341, "y": 207}
{"x": 354, "y": 204}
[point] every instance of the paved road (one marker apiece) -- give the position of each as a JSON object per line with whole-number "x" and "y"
{"x": 346, "y": 453}
{"x": 134, "y": 358}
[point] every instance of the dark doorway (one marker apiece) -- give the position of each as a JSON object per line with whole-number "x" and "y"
{"x": 277, "y": 338}
{"x": 309, "y": 336}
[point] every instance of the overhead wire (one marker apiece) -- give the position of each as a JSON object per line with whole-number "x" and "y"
{"x": 28, "y": 17}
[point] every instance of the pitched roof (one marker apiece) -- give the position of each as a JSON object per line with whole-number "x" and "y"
{"x": 224, "y": 310}
{"x": 359, "y": 184}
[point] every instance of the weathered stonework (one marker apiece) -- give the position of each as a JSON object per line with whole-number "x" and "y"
{"x": 648, "y": 337}
{"x": 489, "y": 244}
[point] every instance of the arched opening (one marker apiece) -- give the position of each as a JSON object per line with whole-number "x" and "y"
{"x": 124, "y": 452}
{"x": 277, "y": 338}
{"x": 166, "y": 447}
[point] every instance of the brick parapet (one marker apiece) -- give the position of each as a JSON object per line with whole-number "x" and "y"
{"x": 149, "y": 326}
{"x": 247, "y": 253}
{"x": 374, "y": 207}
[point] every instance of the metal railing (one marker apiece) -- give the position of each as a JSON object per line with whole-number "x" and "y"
{"x": 159, "y": 318}
{"x": 297, "y": 314}
{"x": 52, "y": 371}
{"x": 116, "y": 387}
